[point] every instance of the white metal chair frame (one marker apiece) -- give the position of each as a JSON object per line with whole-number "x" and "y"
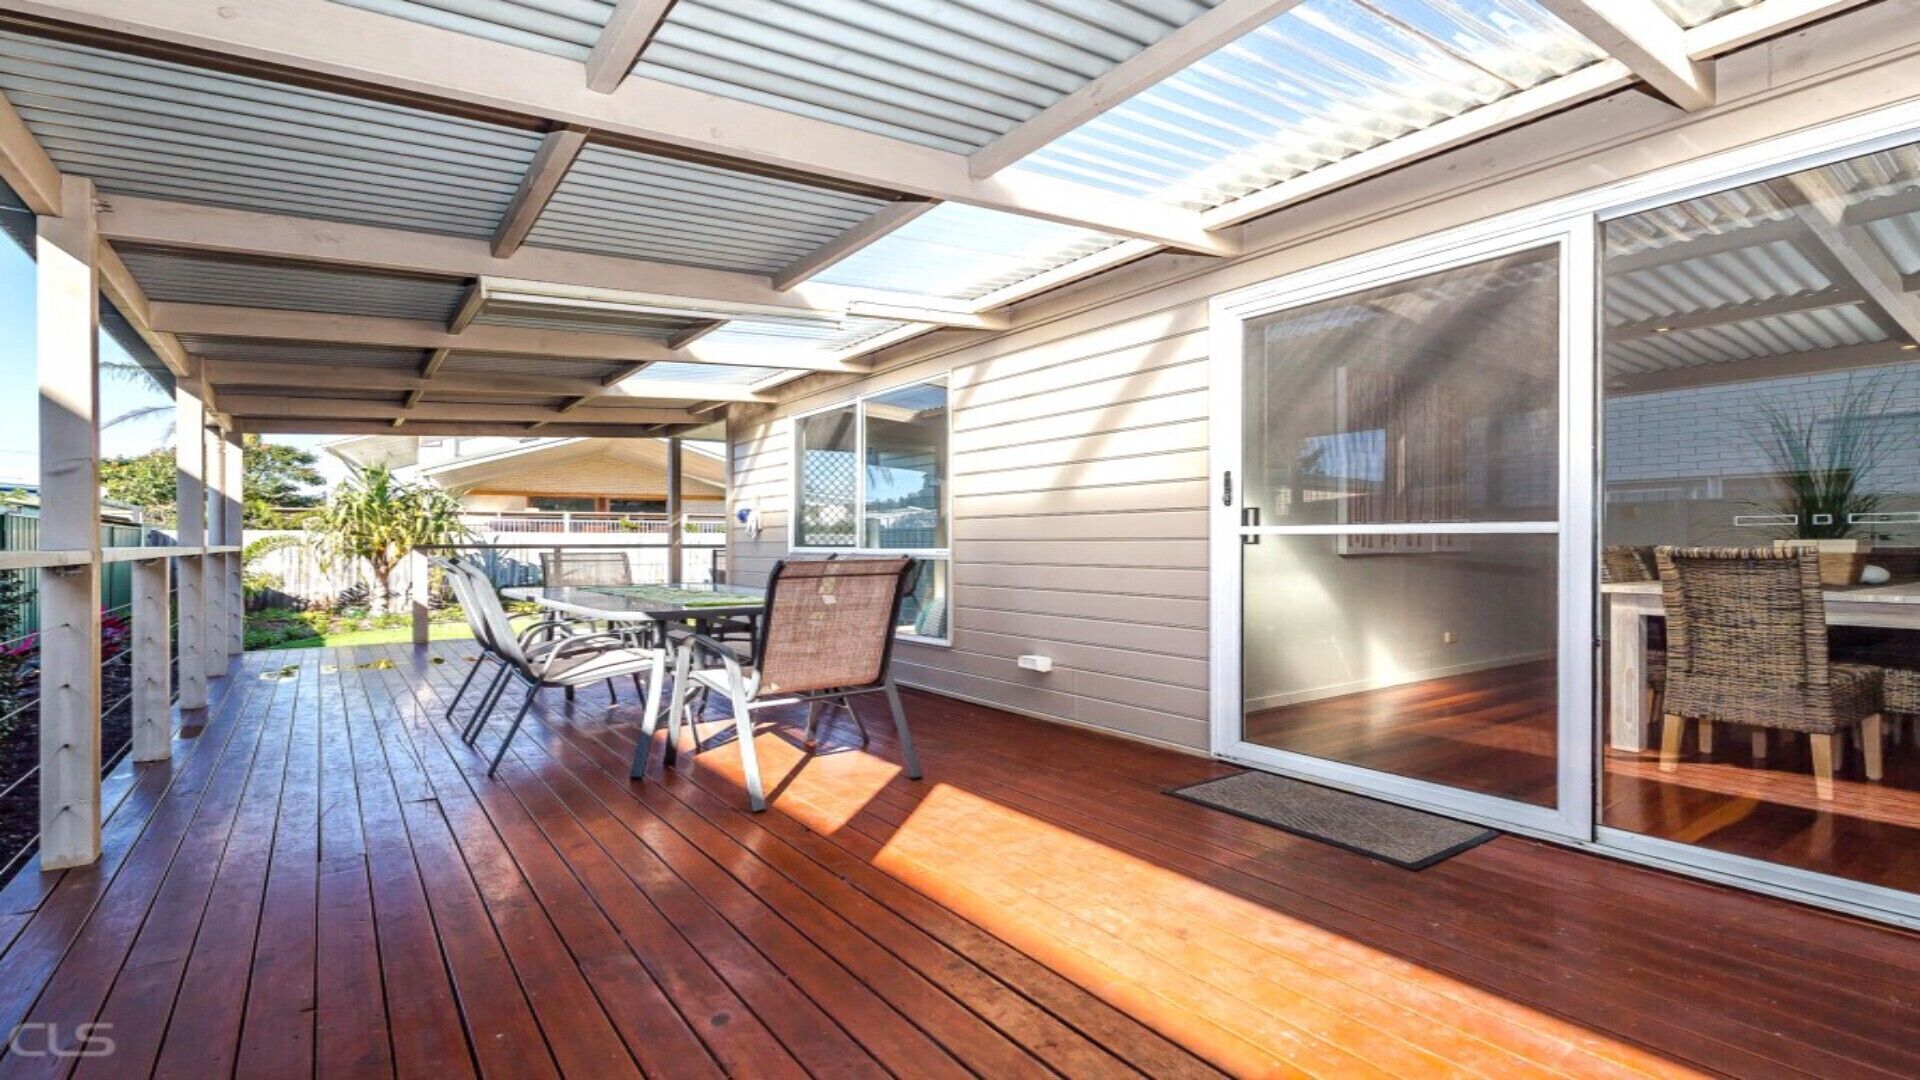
{"x": 741, "y": 683}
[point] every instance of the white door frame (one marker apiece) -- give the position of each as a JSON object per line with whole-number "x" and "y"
{"x": 1577, "y": 216}
{"x": 1572, "y": 816}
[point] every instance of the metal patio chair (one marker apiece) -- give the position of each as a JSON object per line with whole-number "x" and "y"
{"x": 825, "y": 635}
{"x": 587, "y": 568}
{"x": 565, "y": 658}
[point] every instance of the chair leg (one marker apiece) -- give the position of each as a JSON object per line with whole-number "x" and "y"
{"x": 1706, "y": 737}
{"x": 488, "y": 702}
{"x": 1822, "y": 766}
{"x": 749, "y": 763}
{"x": 472, "y": 673}
{"x": 613, "y": 695}
{"x": 650, "y": 715}
{"x": 813, "y": 717}
{"x": 682, "y": 671}
{"x": 900, "y": 729}
{"x": 1672, "y": 728}
{"x": 1759, "y": 744}
{"x": 514, "y": 729}
{"x": 1870, "y": 738}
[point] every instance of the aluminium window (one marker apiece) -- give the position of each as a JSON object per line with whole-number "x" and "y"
{"x": 870, "y": 477}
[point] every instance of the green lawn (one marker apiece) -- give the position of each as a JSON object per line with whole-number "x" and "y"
{"x": 393, "y": 635}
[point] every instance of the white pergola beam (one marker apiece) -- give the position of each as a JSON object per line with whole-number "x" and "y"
{"x": 302, "y": 408}
{"x": 273, "y": 375}
{"x": 877, "y": 225}
{"x": 542, "y": 179}
{"x": 626, "y": 34}
{"x": 1738, "y": 29}
{"x": 1821, "y": 206}
{"x": 1165, "y": 57}
{"x": 1839, "y": 296}
{"x": 118, "y": 283}
{"x": 1647, "y": 40}
{"x": 328, "y": 40}
{"x": 257, "y": 425}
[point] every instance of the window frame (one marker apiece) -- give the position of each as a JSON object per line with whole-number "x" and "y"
{"x": 794, "y": 493}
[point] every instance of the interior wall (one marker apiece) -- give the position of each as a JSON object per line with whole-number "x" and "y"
{"x": 1081, "y": 465}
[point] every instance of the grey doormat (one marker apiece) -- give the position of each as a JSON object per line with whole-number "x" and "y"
{"x": 1403, "y": 836}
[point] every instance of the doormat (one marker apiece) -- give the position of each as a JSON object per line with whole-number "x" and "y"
{"x": 1407, "y": 838}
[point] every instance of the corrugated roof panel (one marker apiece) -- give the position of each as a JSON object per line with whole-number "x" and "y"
{"x": 541, "y": 401}
{"x": 1773, "y": 335}
{"x": 623, "y": 202}
{"x": 1725, "y": 279}
{"x": 1691, "y": 13}
{"x": 1323, "y": 82}
{"x": 699, "y": 373}
{"x": 950, "y": 75}
{"x": 822, "y": 337}
{"x": 628, "y": 324}
{"x": 211, "y": 279}
{"x": 561, "y": 27}
{"x": 253, "y": 350}
{"x": 339, "y": 393}
{"x": 151, "y": 127}
{"x": 1899, "y": 237}
{"x": 1712, "y": 215}
{"x": 483, "y": 363}
{"x": 964, "y": 252}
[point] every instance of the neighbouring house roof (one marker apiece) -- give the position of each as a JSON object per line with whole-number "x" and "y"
{"x": 627, "y": 466}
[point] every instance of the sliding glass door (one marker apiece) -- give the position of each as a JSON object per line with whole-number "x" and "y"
{"x": 1397, "y": 546}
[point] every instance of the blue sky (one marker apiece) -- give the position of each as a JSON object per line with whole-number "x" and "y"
{"x": 19, "y": 400}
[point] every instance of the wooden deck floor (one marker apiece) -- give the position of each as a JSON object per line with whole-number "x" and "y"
{"x": 324, "y": 881}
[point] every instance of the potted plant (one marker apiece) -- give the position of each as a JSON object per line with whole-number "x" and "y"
{"x": 1824, "y": 461}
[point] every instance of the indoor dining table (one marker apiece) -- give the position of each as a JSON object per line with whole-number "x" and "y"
{"x": 1895, "y": 605}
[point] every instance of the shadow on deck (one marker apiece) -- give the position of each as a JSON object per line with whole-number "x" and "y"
{"x": 324, "y": 880}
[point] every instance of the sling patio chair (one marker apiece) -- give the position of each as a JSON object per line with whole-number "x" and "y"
{"x": 588, "y": 568}
{"x": 1747, "y": 644}
{"x": 825, "y": 635}
{"x": 555, "y": 655}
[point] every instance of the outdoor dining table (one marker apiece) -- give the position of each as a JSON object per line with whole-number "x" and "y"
{"x": 1631, "y": 603}
{"x": 666, "y": 604}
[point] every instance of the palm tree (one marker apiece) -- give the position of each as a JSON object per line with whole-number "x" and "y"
{"x": 380, "y": 520}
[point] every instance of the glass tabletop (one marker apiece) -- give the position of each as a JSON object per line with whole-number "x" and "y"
{"x": 673, "y": 601}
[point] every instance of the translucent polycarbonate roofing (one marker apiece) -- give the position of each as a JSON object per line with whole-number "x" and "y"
{"x": 622, "y": 202}
{"x": 1746, "y": 339}
{"x": 1691, "y": 13}
{"x": 649, "y": 325}
{"x": 1320, "y": 83}
{"x": 672, "y": 371}
{"x": 1728, "y": 279}
{"x": 964, "y": 252}
{"x": 467, "y": 362}
{"x": 138, "y": 126}
{"x": 820, "y": 336}
{"x": 213, "y": 279}
{"x": 953, "y": 75}
{"x": 561, "y": 27}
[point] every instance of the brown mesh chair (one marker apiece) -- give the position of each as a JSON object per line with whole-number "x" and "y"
{"x": 825, "y": 635}
{"x": 1747, "y": 644}
{"x": 585, "y": 568}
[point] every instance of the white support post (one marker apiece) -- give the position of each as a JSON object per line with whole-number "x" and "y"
{"x": 190, "y": 499}
{"x": 676, "y": 531}
{"x": 213, "y": 583}
{"x": 67, "y": 343}
{"x": 152, "y": 661}
{"x": 418, "y": 595}
{"x": 234, "y": 510}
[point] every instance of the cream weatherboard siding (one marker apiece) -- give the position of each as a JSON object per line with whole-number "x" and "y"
{"x": 1080, "y": 436}
{"x": 1079, "y": 477}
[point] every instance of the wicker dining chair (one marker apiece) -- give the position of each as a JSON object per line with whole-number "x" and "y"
{"x": 1747, "y": 644}
{"x": 825, "y": 636}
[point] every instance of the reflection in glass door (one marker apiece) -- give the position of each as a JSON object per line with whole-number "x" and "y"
{"x": 1761, "y": 390}
{"x": 1399, "y": 531}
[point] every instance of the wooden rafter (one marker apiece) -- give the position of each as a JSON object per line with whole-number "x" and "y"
{"x": 625, "y": 36}
{"x": 1821, "y": 206}
{"x": 544, "y": 174}
{"x": 877, "y": 225}
{"x": 1648, "y": 41}
{"x": 1842, "y": 295}
{"x": 272, "y": 374}
{"x": 360, "y": 409}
